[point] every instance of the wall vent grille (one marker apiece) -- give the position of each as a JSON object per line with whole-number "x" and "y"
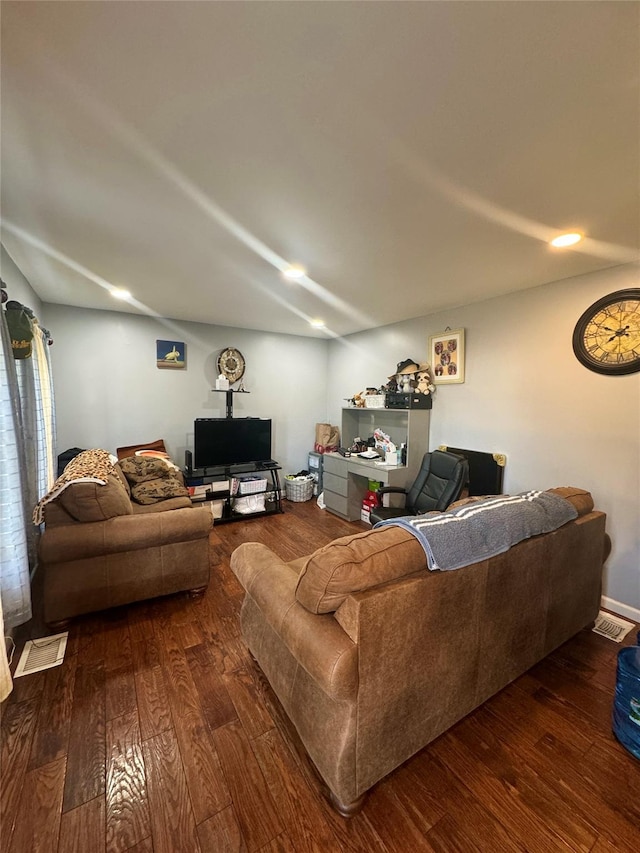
{"x": 42, "y": 654}
{"x": 612, "y": 627}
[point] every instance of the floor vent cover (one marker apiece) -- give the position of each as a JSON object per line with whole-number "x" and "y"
{"x": 613, "y": 627}
{"x": 42, "y": 654}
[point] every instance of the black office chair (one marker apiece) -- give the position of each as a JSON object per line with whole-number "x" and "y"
{"x": 440, "y": 480}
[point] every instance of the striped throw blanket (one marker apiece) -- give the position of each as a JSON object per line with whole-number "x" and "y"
{"x": 480, "y": 530}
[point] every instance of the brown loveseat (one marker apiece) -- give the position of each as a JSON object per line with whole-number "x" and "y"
{"x": 373, "y": 656}
{"x": 100, "y": 548}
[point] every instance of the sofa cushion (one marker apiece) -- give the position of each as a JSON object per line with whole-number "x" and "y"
{"x": 95, "y": 502}
{"x": 355, "y": 563}
{"x": 164, "y": 506}
{"x": 151, "y": 479}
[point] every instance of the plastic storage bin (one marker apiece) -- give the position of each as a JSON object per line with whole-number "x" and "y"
{"x": 315, "y": 466}
{"x": 626, "y": 704}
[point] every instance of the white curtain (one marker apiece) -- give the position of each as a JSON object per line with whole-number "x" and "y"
{"x": 35, "y": 395}
{"x": 6, "y": 684}
{"x": 27, "y": 472}
{"x": 15, "y": 586}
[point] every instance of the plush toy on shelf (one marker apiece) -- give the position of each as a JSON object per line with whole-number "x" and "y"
{"x": 405, "y": 375}
{"x": 423, "y": 379}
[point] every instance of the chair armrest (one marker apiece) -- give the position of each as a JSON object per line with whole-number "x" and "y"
{"x": 317, "y": 642}
{"x": 83, "y": 540}
{"x": 385, "y": 490}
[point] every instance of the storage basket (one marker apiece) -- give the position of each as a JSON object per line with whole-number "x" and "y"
{"x": 300, "y": 489}
{"x": 251, "y": 485}
{"x": 374, "y": 401}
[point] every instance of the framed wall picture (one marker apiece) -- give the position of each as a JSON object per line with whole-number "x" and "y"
{"x": 171, "y": 355}
{"x": 446, "y": 354}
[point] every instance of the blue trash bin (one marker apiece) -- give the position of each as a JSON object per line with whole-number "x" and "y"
{"x": 626, "y": 704}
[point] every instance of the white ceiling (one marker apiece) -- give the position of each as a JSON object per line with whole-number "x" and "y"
{"x": 413, "y": 156}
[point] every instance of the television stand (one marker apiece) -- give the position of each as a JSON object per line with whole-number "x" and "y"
{"x": 230, "y": 392}
{"x": 265, "y": 466}
{"x": 268, "y": 496}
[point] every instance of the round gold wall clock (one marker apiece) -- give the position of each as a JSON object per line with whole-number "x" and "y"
{"x": 606, "y": 338}
{"x": 231, "y": 364}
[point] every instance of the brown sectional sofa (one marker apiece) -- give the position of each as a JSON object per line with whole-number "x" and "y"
{"x": 100, "y": 549}
{"x": 372, "y": 656}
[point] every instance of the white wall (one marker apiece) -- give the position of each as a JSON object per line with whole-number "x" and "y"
{"x": 527, "y": 396}
{"x": 18, "y": 288}
{"x": 109, "y": 392}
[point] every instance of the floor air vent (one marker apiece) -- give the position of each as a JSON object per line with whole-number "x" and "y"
{"x": 42, "y": 654}
{"x": 613, "y": 627}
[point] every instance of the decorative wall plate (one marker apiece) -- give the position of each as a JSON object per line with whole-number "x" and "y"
{"x": 606, "y": 338}
{"x": 231, "y": 364}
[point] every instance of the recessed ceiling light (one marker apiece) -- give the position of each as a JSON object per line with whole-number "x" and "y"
{"x": 564, "y": 240}
{"x": 294, "y": 272}
{"x": 120, "y": 293}
{"x": 317, "y": 324}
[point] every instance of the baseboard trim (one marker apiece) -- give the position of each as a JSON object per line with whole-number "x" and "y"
{"x": 614, "y": 606}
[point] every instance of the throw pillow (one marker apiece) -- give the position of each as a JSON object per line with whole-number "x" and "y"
{"x": 151, "y": 479}
{"x": 137, "y": 469}
{"x": 158, "y": 489}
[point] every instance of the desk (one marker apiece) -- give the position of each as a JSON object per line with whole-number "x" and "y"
{"x": 346, "y": 480}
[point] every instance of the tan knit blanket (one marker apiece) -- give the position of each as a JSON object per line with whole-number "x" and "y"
{"x": 90, "y": 466}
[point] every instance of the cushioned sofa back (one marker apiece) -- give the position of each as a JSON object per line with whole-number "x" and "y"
{"x": 357, "y": 563}
{"x": 96, "y": 502}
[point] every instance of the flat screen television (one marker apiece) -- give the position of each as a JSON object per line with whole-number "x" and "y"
{"x": 231, "y": 441}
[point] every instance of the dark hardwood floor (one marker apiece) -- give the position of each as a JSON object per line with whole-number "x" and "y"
{"x": 158, "y": 735}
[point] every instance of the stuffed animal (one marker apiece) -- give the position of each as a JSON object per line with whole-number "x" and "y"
{"x": 404, "y": 381}
{"x": 423, "y": 381}
{"x": 404, "y": 375}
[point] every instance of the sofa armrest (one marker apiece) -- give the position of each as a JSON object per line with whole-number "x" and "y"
{"x": 317, "y": 642}
{"x": 83, "y": 540}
